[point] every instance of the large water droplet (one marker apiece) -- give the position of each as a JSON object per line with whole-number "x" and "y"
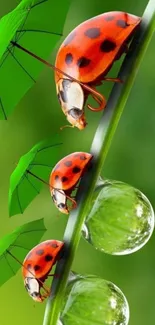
{"x": 93, "y": 301}
{"x": 120, "y": 220}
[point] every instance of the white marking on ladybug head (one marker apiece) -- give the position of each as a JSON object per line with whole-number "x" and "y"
{"x": 60, "y": 200}
{"x": 71, "y": 97}
{"x": 33, "y": 288}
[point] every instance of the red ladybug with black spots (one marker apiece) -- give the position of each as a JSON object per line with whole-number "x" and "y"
{"x": 64, "y": 178}
{"x": 37, "y": 266}
{"x": 86, "y": 56}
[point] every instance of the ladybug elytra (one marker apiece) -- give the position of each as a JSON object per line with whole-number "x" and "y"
{"x": 65, "y": 176}
{"x": 37, "y": 266}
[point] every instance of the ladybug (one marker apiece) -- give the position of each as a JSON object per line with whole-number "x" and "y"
{"x": 37, "y": 266}
{"x": 65, "y": 176}
{"x": 86, "y": 56}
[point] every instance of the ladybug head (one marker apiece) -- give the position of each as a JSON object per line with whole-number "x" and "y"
{"x": 33, "y": 288}
{"x": 60, "y": 200}
{"x": 71, "y": 97}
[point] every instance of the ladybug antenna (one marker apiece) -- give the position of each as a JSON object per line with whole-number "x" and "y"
{"x": 42, "y": 284}
{"x": 66, "y": 126}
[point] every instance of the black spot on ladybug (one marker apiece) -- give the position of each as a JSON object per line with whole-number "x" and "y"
{"x": 107, "y": 46}
{"x": 56, "y": 177}
{"x": 40, "y": 252}
{"x": 63, "y": 96}
{"x": 83, "y": 62}
{"x": 29, "y": 266}
{"x": 48, "y": 258}
{"x": 122, "y": 23}
{"x": 69, "y": 39}
{"x": 76, "y": 170}
{"x": 109, "y": 18}
{"x": 36, "y": 267}
{"x": 93, "y": 32}
{"x": 54, "y": 245}
{"x": 69, "y": 58}
{"x": 82, "y": 157}
{"x": 61, "y": 205}
{"x": 68, "y": 163}
{"x": 64, "y": 179}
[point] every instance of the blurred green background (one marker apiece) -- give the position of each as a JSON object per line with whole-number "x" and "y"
{"x": 131, "y": 159}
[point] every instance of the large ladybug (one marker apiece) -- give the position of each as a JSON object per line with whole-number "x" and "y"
{"x": 37, "y": 266}
{"x": 86, "y": 56}
{"x": 64, "y": 178}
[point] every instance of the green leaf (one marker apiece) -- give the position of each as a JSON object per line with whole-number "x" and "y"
{"x": 10, "y": 23}
{"x": 18, "y": 244}
{"x": 35, "y": 25}
{"x": 121, "y": 219}
{"x": 40, "y": 160}
{"x": 91, "y": 300}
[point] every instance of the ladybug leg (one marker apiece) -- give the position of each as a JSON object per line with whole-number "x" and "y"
{"x": 100, "y": 99}
{"x": 66, "y": 126}
{"x": 55, "y": 275}
{"x": 74, "y": 204}
{"x": 46, "y": 289}
{"x": 126, "y": 49}
{"x": 76, "y": 187}
{"x": 44, "y": 296}
{"x": 113, "y": 79}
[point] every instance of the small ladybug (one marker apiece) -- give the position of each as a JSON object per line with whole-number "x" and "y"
{"x": 65, "y": 176}
{"x": 37, "y": 266}
{"x": 86, "y": 56}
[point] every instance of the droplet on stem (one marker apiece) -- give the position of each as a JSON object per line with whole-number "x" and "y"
{"x": 120, "y": 220}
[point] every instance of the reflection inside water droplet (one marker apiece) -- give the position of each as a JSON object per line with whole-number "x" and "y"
{"x": 92, "y": 300}
{"x": 120, "y": 219}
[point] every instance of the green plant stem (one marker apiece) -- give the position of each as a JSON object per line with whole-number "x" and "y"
{"x": 99, "y": 149}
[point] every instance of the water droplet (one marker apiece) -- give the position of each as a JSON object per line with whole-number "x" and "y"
{"x": 120, "y": 220}
{"x": 95, "y": 301}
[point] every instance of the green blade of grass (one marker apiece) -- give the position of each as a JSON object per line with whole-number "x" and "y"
{"x": 99, "y": 149}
